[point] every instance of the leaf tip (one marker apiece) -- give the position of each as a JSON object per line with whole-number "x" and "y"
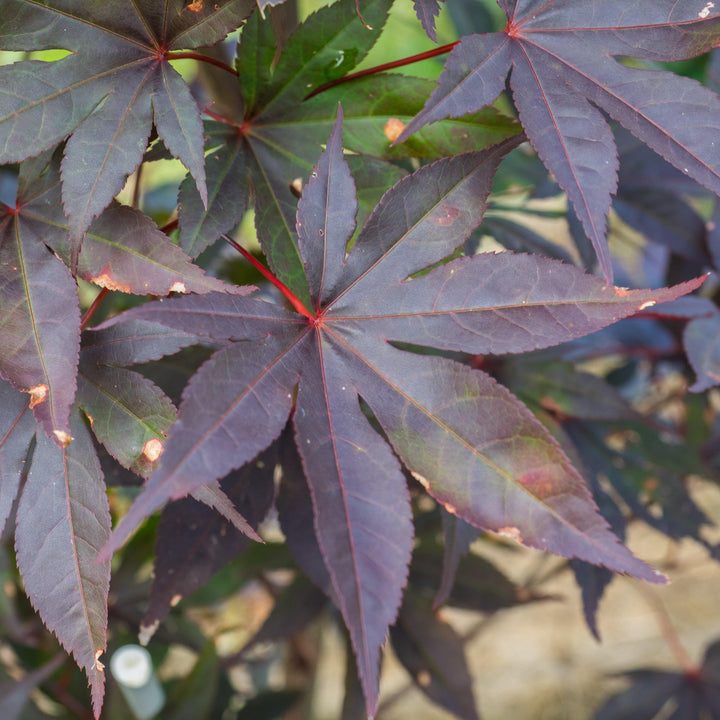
{"x": 147, "y": 631}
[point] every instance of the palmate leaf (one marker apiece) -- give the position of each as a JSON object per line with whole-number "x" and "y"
{"x": 471, "y": 443}
{"x": 275, "y": 146}
{"x": 562, "y": 55}
{"x": 107, "y": 94}
{"x": 63, "y": 520}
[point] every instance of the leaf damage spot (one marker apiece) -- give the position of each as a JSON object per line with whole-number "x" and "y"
{"x": 105, "y": 280}
{"x": 153, "y": 449}
{"x": 175, "y": 600}
{"x": 622, "y": 291}
{"x": 393, "y": 129}
{"x": 38, "y": 395}
{"x": 446, "y": 216}
{"x": 421, "y": 479}
{"x": 64, "y": 438}
{"x": 177, "y": 287}
{"x": 296, "y": 187}
{"x": 510, "y": 532}
{"x": 450, "y": 508}
{"x": 706, "y": 10}
{"x": 98, "y": 665}
{"x": 423, "y": 678}
{"x": 647, "y": 304}
{"x": 195, "y": 6}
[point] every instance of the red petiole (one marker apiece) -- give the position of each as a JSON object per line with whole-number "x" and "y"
{"x": 187, "y": 55}
{"x": 385, "y": 66}
{"x": 281, "y": 286}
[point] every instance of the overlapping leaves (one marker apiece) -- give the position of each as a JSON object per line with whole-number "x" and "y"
{"x": 276, "y": 143}
{"x": 563, "y": 56}
{"x": 507, "y": 475}
{"x": 107, "y": 94}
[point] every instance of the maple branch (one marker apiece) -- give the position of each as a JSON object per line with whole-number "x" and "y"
{"x": 281, "y": 286}
{"x": 187, "y": 55}
{"x": 93, "y": 307}
{"x": 385, "y": 66}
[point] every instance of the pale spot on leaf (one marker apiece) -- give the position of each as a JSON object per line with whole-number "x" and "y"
{"x": 446, "y": 216}
{"x": 175, "y": 600}
{"x": 706, "y": 10}
{"x": 510, "y": 532}
{"x": 422, "y": 480}
{"x": 98, "y": 665}
{"x": 622, "y": 291}
{"x": 393, "y": 129}
{"x": 64, "y": 438}
{"x": 38, "y": 395}
{"x": 647, "y": 304}
{"x": 104, "y": 280}
{"x": 423, "y": 678}
{"x": 178, "y": 287}
{"x": 153, "y": 449}
{"x": 450, "y": 508}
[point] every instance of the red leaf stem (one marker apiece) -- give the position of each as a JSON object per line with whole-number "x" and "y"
{"x": 93, "y": 307}
{"x": 284, "y": 289}
{"x": 385, "y": 66}
{"x": 187, "y": 55}
{"x": 218, "y": 117}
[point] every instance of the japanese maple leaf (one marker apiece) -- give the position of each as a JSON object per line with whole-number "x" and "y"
{"x": 108, "y": 92}
{"x": 562, "y": 54}
{"x": 475, "y": 447}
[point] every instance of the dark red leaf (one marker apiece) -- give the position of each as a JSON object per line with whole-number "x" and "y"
{"x": 326, "y": 218}
{"x": 361, "y": 506}
{"x": 122, "y": 250}
{"x": 211, "y": 436}
{"x": 296, "y": 516}
{"x": 132, "y": 342}
{"x": 105, "y": 101}
{"x": 561, "y": 55}
{"x": 213, "y": 496}
{"x": 427, "y": 11}
{"x": 63, "y": 520}
{"x": 508, "y": 475}
{"x": 39, "y": 325}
